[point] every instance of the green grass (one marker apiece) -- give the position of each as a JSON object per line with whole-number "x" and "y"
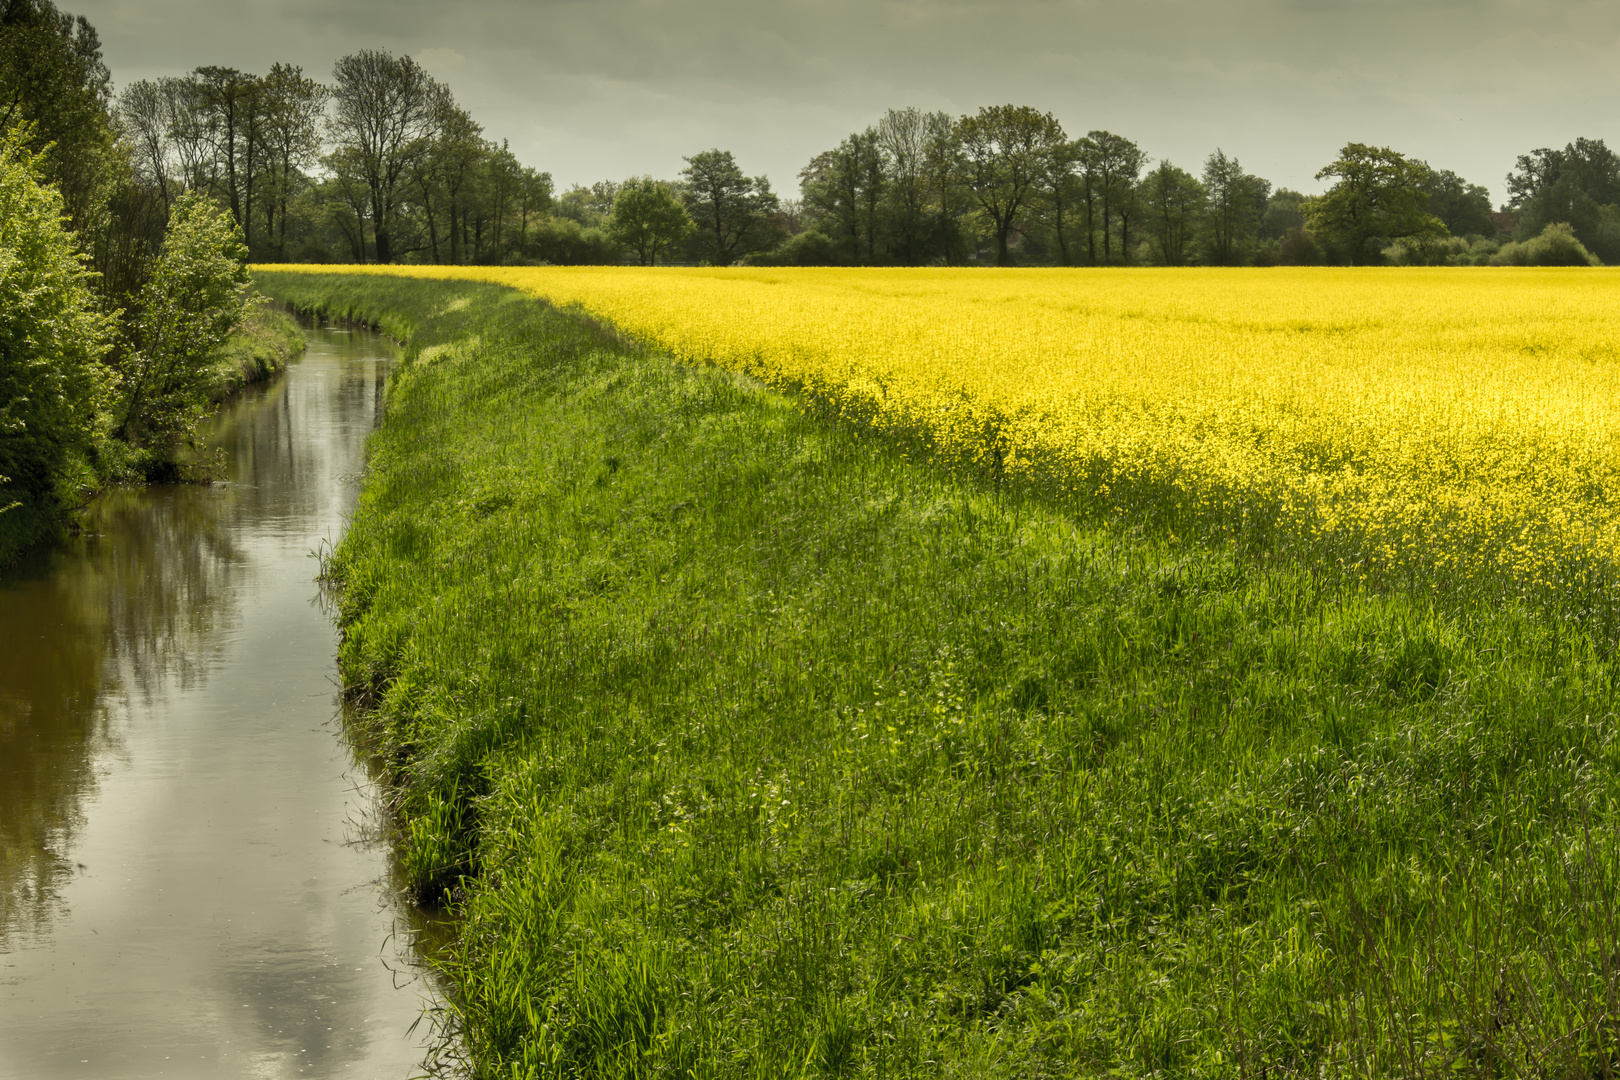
{"x": 265, "y": 344}
{"x": 743, "y": 744}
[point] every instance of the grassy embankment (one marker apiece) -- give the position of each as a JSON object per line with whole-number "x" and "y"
{"x": 746, "y": 745}
{"x": 268, "y": 341}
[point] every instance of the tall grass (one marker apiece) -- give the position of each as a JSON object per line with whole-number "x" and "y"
{"x": 744, "y": 744}
{"x": 266, "y": 342}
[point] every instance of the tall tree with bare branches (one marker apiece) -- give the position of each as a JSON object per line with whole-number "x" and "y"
{"x": 383, "y": 118}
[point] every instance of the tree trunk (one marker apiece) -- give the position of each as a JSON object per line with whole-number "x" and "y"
{"x": 455, "y": 218}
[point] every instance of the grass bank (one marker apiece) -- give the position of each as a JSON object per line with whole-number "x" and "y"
{"x": 743, "y": 744}
{"x": 265, "y": 344}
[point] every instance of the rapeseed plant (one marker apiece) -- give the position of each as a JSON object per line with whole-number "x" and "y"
{"x": 1468, "y": 420}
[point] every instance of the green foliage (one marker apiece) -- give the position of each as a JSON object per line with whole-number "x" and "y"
{"x": 808, "y": 248}
{"x": 196, "y": 296}
{"x": 1108, "y": 167}
{"x": 844, "y": 191}
{"x": 1578, "y": 185}
{"x": 922, "y": 201}
{"x": 1556, "y": 246}
{"x": 562, "y": 241}
{"x": 1463, "y": 208}
{"x": 589, "y": 206}
{"x": 1006, "y": 153}
{"x": 1378, "y": 195}
{"x": 892, "y": 193}
{"x": 53, "y": 80}
{"x": 1447, "y": 251}
{"x": 1298, "y": 248}
{"x": 52, "y": 339}
{"x": 648, "y": 220}
{"x": 1285, "y": 212}
{"x": 384, "y": 109}
{"x": 1172, "y": 212}
{"x": 733, "y": 212}
{"x": 752, "y": 744}
{"x": 1236, "y": 203}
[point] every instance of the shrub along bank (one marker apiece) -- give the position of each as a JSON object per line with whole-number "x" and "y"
{"x": 266, "y": 342}
{"x": 743, "y": 745}
{"x": 99, "y": 385}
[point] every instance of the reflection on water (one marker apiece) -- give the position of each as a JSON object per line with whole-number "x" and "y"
{"x": 185, "y": 889}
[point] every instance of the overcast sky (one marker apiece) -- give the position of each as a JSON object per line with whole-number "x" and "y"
{"x": 599, "y": 89}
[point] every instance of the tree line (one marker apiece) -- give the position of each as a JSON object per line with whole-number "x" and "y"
{"x": 1007, "y": 184}
{"x": 382, "y": 164}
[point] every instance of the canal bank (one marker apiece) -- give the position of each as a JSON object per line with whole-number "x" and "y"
{"x": 189, "y": 884}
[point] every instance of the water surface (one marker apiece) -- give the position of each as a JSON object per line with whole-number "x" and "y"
{"x": 187, "y": 884}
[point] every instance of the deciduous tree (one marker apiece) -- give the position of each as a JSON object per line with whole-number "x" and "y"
{"x": 949, "y": 200}
{"x": 1006, "y": 153}
{"x": 195, "y": 297}
{"x": 1060, "y": 204}
{"x": 52, "y": 339}
{"x": 1173, "y": 205}
{"x": 383, "y": 113}
{"x": 1463, "y": 208}
{"x": 293, "y": 106}
{"x": 1285, "y": 212}
{"x": 1579, "y": 184}
{"x": 732, "y": 211}
{"x": 648, "y": 220}
{"x": 53, "y": 79}
{"x": 1110, "y": 165}
{"x": 1377, "y": 194}
{"x": 902, "y": 138}
{"x": 1235, "y": 202}
{"x": 143, "y": 115}
{"x": 843, "y": 191}
{"x": 229, "y": 110}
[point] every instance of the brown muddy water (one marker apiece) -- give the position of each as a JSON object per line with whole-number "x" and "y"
{"x": 190, "y": 883}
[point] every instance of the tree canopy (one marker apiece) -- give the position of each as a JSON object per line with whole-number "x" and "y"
{"x": 1006, "y": 151}
{"x": 53, "y": 336}
{"x": 1377, "y": 195}
{"x": 1578, "y": 186}
{"x": 195, "y": 297}
{"x": 648, "y": 220}
{"x": 732, "y": 210}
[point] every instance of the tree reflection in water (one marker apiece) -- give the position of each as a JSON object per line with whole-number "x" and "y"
{"x": 138, "y": 604}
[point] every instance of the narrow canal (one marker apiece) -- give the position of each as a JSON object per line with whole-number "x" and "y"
{"x": 189, "y": 880}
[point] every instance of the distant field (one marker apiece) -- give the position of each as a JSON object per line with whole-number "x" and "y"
{"x": 1467, "y": 420}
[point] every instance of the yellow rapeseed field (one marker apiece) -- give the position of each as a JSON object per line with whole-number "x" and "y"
{"x": 1468, "y": 418}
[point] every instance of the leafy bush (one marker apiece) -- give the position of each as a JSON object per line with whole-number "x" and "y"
{"x": 52, "y": 339}
{"x": 196, "y": 297}
{"x": 1299, "y": 248}
{"x": 564, "y": 242}
{"x": 1556, "y": 246}
{"x": 809, "y": 248}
